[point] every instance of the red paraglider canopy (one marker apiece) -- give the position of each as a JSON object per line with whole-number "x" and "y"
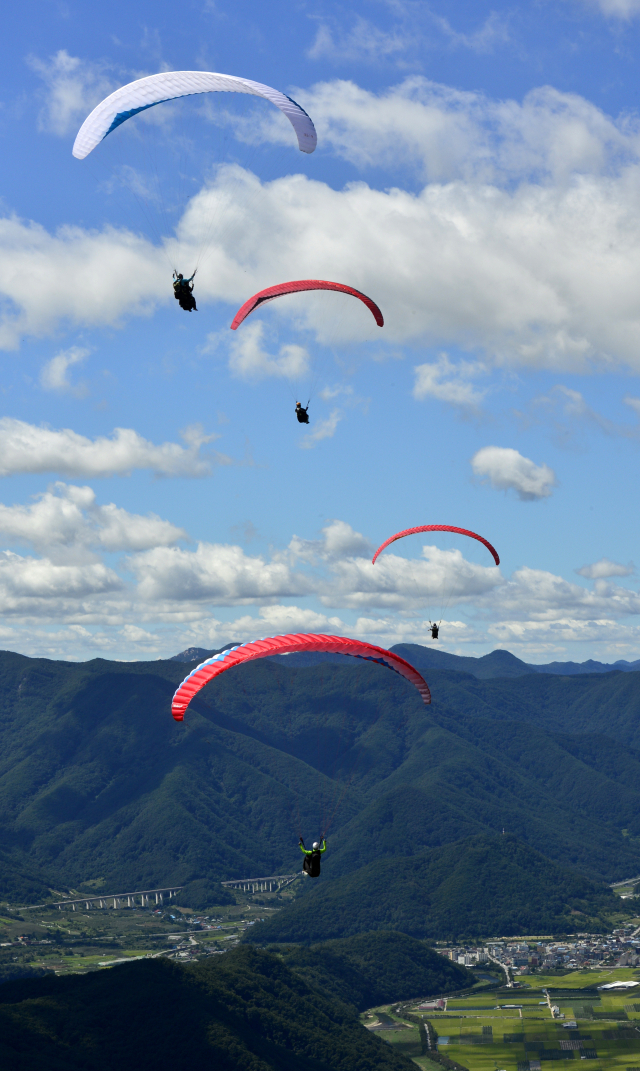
{"x": 437, "y": 528}
{"x": 275, "y": 645}
{"x": 294, "y": 288}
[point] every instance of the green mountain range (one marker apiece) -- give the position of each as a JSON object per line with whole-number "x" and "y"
{"x": 100, "y": 790}
{"x": 244, "y": 1011}
{"x": 480, "y": 887}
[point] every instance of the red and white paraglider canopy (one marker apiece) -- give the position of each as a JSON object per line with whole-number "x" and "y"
{"x": 276, "y": 645}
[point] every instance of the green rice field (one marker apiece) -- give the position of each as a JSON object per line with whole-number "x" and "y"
{"x": 481, "y": 1033}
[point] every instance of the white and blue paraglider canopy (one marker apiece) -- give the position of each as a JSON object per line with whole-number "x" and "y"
{"x": 144, "y": 93}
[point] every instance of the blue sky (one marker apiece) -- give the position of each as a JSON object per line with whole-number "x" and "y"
{"x": 477, "y": 173}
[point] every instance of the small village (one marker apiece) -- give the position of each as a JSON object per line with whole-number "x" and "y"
{"x": 521, "y": 956}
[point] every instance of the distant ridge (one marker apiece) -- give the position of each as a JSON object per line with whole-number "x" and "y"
{"x": 300, "y": 658}
{"x": 487, "y": 667}
{"x": 200, "y": 654}
{"x": 503, "y": 664}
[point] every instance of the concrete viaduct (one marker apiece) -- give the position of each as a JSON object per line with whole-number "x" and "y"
{"x": 149, "y": 896}
{"x": 253, "y": 885}
{"x": 115, "y": 900}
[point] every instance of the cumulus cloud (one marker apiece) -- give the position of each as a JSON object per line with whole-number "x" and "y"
{"x": 339, "y": 540}
{"x": 349, "y": 579}
{"x": 213, "y": 572}
{"x": 68, "y": 602}
{"x": 462, "y": 261}
{"x": 449, "y": 382}
{"x": 249, "y": 360}
{"x": 30, "y": 585}
{"x": 68, "y": 516}
{"x": 506, "y": 469}
{"x": 28, "y": 448}
{"x": 536, "y": 595}
{"x": 605, "y": 568}
{"x": 442, "y": 576}
{"x": 491, "y": 285}
{"x": 278, "y": 620}
{"x": 54, "y": 373}
{"x": 75, "y": 277}
{"x": 450, "y": 135}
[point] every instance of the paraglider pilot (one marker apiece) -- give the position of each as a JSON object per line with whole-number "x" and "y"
{"x": 301, "y": 413}
{"x": 434, "y": 632}
{"x": 311, "y": 864}
{"x": 183, "y": 292}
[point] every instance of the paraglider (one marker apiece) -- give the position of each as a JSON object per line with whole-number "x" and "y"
{"x": 157, "y": 203}
{"x": 155, "y": 89}
{"x": 434, "y": 627}
{"x": 302, "y": 413}
{"x": 183, "y": 292}
{"x": 295, "y": 288}
{"x": 311, "y": 864}
{"x": 436, "y": 528}
{"x": 274, "y": 645}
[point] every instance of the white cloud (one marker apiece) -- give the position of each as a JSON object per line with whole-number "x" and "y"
{"x": 620, "y": 9}
{"x": 488, "y": 282}
{"x": 339, "y": 540}
{"x": 54, "y": 373}
{"x": 27, "y": 585}
{"x": 605, "y": 568}
{"x": 75, "y": 277}
{"x": 449, "y": 135}
{"x": 214, "y": 573}
{"x": 492, "y": 32}
{"x": 69, "y": 603}
{"x": 463, "y": 261}
{"x": 278, "y": 620}
{"x": 539, "y": 596}
{"x": 73, "y": 88}
{"x": 28, "y": 448}
{"x": 449, "y": 382}
{"x": 67, "y": 516}
{"x": 323, "y": 429}
{"x": 349, "y": 579}
{"x": 387, "y": 631}
{"x": 506, "y": 469}
{"x": 364, "y": 41}
{"x": 442, "y": 577}
{"x": 250, "y": 361}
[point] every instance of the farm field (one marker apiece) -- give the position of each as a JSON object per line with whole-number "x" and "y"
{"x": 69, "y": 942}
{"x": 481, "y": 1033}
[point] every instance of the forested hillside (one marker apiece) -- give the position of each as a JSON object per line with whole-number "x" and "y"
{"x": 375, "y": 968}
{"x": 479, "y": 887}
{"x": 245, "y": 1011}
{"x": 101, "y": 789}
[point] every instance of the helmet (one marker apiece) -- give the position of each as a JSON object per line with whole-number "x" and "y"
{"x": 316, "y": 844}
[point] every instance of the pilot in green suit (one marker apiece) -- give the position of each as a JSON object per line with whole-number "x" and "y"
{"x": 311, "y": 865}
